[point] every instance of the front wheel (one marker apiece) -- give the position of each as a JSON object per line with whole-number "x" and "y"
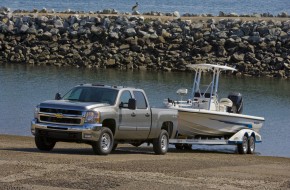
{"x": 160, "y": 145}
{"x": 43, "y": 143}
{"x": 243, "y": 147}
{"x": 105, "y": 143}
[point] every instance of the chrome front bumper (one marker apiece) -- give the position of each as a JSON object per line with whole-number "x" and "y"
{"x": 89, "y": 132}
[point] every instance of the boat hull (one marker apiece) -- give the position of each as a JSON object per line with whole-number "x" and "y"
{"x": 195, "y": 122}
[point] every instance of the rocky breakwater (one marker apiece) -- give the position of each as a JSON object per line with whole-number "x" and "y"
{"x": 254, "y": 47}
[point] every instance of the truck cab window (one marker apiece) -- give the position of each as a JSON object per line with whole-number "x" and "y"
{"x": 125, "y": 96}
{"x": 140, "y": 100}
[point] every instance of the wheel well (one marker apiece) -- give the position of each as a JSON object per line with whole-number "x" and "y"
{"x": 111, "y": 124}
{"x": 168, "y": 126}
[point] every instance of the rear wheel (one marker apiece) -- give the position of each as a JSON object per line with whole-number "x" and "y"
{"x": 105, "y": 143}
{"x": 243, "y": 147}
{"x": 43, "y": 143}
{"x": 251, "y": 145}
{"x": 160, "y": 145}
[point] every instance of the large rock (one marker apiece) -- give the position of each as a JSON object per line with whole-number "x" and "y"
{"x": 31, "y": 31}
{"x": 43, "y": 19}
{"x": 130, "y": 32}
{"x": 114, "y": 35}
{"x": 4, "y": 10}
{"x": 237, "y": 57}
{"x": 96, "y": 30}
{"x": 58, "y": 23}
{"x": 221, "y": 51}
{"x": 24, "y": 28}
{"x": 206, "y": 49}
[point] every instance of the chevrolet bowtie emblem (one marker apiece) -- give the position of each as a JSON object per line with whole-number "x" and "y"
{"x": 59, "y": 115}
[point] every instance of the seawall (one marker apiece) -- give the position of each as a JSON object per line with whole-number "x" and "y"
{"x": 255, "y": 46}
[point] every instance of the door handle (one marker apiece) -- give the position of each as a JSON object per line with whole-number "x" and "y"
{"x": 147, "y": 114}
{"x": 133, "y": 114}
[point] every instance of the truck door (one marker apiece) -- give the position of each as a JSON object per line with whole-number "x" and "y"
{"x": 127, "y": 123}
{"x": 143, "y": 115}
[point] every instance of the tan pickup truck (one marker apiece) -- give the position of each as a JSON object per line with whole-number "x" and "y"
{"x": 103, "y": 116}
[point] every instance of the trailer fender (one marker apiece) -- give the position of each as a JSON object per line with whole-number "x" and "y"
{"x": 237, "y": 138}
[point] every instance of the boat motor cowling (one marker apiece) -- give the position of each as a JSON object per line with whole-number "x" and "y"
{"x": 237, "y": 100}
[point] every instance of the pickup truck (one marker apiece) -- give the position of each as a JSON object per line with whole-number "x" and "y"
{"x": 103, "y": 116}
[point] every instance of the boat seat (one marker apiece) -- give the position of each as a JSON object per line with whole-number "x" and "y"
{"x": 224, "y": 104}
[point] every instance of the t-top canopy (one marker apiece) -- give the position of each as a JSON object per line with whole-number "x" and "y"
{"x": 210, "y": 67}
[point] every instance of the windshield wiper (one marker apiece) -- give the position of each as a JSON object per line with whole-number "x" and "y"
{"x": 71, "y": 99}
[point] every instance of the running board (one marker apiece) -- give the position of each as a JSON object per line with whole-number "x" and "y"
{"x": 198, "y": 141}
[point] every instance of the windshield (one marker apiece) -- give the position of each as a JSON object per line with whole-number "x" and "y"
{"x": 92, "y": 94}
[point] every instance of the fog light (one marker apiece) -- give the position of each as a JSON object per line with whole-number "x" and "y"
{"x": 87, "y": 136}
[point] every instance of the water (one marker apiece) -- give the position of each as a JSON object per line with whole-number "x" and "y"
{"x": 183, "y": 6}
{"x": 23, "y": 87}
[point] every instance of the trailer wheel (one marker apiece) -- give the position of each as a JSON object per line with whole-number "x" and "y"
{"x": 105, "y": 143}
{"x": 160, "y": 145}
{"x": 243, "y": 147}
{"x": 43, "y": 143}
{"x": 251, "y": 145}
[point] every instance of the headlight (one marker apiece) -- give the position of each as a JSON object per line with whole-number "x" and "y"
{"x": 36, "y": 111}
{"x": 92, "y": 117}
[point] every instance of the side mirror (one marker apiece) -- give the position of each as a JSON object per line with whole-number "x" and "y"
{"x": 132, "y": 104}
{"x": 121, "y": 105}
{"x": 57, "y": 96}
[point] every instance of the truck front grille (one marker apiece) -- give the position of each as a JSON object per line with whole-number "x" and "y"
{"x": 62, "y": 111}
{"x": 51, "y": 119}
{"x": 61, "y": 116}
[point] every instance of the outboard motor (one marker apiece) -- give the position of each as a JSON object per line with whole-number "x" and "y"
{"x": 237, "y": 100}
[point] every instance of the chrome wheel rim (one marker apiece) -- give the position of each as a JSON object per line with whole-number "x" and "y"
{"x": 245, "y": 144}
{"x": 252, "y": 144}
{"x": 164, "y": 143}
{"x": 106, "y": 141}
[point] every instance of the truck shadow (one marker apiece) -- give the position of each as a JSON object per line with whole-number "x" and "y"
{"x": 120, "y": 150}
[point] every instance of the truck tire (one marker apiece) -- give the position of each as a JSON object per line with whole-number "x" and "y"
{"x": 105, "y": 143}
{"x": 160, "y": 145}
{"x": 43, "y": 143}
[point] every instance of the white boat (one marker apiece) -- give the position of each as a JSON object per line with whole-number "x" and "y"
{"x": 205, "y": 115}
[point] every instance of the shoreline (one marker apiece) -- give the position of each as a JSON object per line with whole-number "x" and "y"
{"x": 73, "y": 166}
{"x": 256, "y": 46}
